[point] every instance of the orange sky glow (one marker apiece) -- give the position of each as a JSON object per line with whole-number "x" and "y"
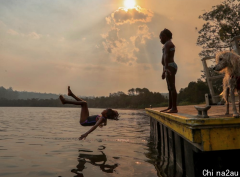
{"x": 97, "y": 47}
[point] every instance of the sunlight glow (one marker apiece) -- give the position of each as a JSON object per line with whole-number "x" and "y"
{"x": 129, "y": 4}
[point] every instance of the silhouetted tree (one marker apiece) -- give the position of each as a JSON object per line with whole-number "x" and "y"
{"x": 145, "y": 98}
{"x": 131, "y": 91}
{"x": 194, "y": 93}
{"x": 222, "y": 24}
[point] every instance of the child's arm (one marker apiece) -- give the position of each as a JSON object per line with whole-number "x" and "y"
{"x": 166, "y": 58}
{"x": 83, "y": 136}
{"x": 105, "y": 123}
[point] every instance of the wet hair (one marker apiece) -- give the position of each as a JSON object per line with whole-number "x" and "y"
{"x": 112, "y": 114}
{"x": 167, "y": 32}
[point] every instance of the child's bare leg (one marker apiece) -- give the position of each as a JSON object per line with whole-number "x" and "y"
{"x": 169, "y": 98}
{"x": 84, "y": 111}
{"x": 70, "y": 93}
{"x": 169, "y": 103}
{"x": 174, "y": 102}
{"x": 173, "y": 92}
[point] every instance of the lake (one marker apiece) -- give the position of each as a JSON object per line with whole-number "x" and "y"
{"x": 38, "y": 141}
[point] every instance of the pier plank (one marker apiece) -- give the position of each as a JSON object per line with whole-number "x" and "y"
{"x": 218, "y": 132}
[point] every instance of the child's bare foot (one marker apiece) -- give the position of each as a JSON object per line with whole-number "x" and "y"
{"x": 62, "y": 99}
{"x": 165, "y": 110}
{"x": 172, "y": 111}
{"x": 69, "y": 91}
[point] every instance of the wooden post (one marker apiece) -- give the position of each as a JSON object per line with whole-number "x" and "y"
{"x": 208, "y": 78}
{"x": 235, "y": 44}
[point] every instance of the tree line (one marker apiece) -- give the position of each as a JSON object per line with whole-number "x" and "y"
{"x": 136, "y": 98}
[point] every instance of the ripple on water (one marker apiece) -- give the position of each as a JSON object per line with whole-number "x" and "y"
{"x": 36, "y": 144}
{"x": 46, "y": 140}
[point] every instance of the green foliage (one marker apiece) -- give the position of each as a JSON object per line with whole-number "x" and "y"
{"x": 193, "y": 94}
{"x": 137, "y": 98}
{"x": 163, "y": 104}
{"x": 222, "y": 24}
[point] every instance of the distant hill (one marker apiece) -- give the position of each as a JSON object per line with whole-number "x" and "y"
{"x": 29, "y": 95}
{"x": 144, "y": 98}
{"x": 10, "y": 94}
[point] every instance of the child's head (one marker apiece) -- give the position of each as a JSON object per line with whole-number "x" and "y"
{"x": 165, "y": 35}
{"x": 110, "y": 114}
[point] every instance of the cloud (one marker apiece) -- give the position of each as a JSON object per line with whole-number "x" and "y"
{"x": 12, "y": 32}
{"x": 32, "y": 35}
{"x": 133, "y": 15}
{"x": 112, "y": 39}
{"x": 146, "y": 47}
{"x": 121, "y": 49}
{"x": 142, "y": 35}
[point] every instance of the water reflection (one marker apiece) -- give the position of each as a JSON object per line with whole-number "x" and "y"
{"x": 154, "y": 156}
{"x": 116, "y": 150}
{"x": 94, "y": 159}
{"x": 161, "y": 158}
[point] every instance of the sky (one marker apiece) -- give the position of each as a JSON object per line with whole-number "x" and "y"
{"x": 97, "y": 46}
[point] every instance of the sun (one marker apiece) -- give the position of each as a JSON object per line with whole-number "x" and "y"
{"x": 129, "y": 4}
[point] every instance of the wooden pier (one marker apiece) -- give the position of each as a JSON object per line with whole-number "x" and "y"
{"x": 191, "y": 146}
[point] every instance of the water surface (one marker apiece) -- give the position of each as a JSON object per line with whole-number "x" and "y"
{"x": 44, "y": 142}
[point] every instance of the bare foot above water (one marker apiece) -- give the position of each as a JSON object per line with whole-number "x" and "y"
{"x": 69, "y": 91}
{"x": 172, "y": 111}
{"x": 165, "y": 110}
{"x": 62, "y": 99}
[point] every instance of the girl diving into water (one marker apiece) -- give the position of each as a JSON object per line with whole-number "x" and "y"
{"x": 85, "y": 119}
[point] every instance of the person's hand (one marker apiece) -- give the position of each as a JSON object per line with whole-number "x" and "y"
{"x": 168, "y": 71}
{"x": 83, "y": 136}
{"x": 101, "y": 125}
{"x": 163, "y": 75}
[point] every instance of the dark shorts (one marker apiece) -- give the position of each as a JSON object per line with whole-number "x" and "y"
{"x": 91, "y": 120}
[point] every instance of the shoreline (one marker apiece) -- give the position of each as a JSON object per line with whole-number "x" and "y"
{"x": 67, "y": 107}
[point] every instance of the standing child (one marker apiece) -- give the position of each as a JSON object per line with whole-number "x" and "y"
{"x": 169, "y": 69}
{"x": 85, "y": 119}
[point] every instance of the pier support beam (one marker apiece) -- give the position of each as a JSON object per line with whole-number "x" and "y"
{"x": 189, "y": 147}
